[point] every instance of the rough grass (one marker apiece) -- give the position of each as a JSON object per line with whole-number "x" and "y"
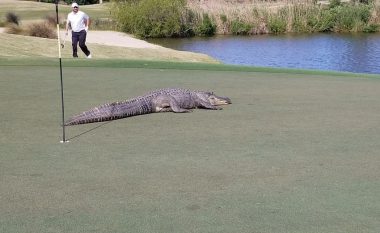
{"x": 30, "y": 11}
{"x": 293, "y": 153}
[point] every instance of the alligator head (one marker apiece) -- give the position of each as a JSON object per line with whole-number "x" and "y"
{"x": 214, "y": 99}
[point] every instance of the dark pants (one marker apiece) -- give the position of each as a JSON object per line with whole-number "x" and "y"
{"x": 81, "y": 38}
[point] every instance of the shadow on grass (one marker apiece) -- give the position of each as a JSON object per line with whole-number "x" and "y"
{"x": 88, "y": 131}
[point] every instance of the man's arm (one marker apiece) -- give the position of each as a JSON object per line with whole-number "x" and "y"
{"x": 87, "y": 22}
{"x": 67, "y": 26}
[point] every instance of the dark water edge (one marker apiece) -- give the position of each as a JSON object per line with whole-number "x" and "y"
{"x": 357, "y": 53}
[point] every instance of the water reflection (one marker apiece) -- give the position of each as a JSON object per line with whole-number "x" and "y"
{"x": 358, "y": 53}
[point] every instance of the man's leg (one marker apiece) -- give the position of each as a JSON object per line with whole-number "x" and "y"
{"x": 82, "y": 42}
{"x": 75, "y": 39}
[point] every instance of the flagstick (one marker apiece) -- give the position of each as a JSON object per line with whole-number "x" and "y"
{"x": 60, "y": 71}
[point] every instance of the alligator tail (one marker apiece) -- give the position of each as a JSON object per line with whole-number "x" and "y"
{"x": 112, "y": 111}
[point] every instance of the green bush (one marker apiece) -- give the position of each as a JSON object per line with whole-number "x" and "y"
{"x": 326, "y": 21}
{"x": 238, "y": 27}
{"x": 277, "y": 24}
{"x": 205, "y": 27}
{"x": 335, "y": 3}
{"x": 150, "y": 18}
{"x": 103, "y": 24}
{"x": 347, "y": 17}
{"x": 223, "y": 18}
{"x": 371, "y": 28}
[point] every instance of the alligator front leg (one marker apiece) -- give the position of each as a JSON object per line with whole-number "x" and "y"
{"x": 166, "y": 103}
{"x": 204, "y": 104}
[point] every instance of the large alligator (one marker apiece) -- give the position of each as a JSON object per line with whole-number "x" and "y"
{"x": 163, "y": 100}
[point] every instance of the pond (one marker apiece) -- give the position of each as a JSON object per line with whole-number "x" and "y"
{"x": 358, "y": 53}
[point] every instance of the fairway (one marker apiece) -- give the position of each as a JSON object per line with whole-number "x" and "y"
{"x": 295, "y": 152}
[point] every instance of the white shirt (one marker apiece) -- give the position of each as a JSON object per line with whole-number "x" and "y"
{"x": 77, "y": 21}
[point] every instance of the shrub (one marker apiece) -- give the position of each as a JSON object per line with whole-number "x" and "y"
{"x": 335, "y": 3}
{"x": 371, "y": 28}
{"x": 150, "y": 18}
{"x": 223, "y": 18}
{"x": 326, "y": 21}
{"x": 103, "y": 24}
{"x": 11, "y": 17}
{"x": 51, "y": 19}
{"x": 13, "y": 28}
{"x": 205, "y": 27}
{"x": 277, "y": 24}
{"x": 188, "y": 19}
{"x": 347, "y": 17}
{"x": 42, "y": 29}
{"x": 238, "y": 27}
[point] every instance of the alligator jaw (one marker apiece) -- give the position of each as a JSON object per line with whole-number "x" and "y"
{"x": 219, "y": 100}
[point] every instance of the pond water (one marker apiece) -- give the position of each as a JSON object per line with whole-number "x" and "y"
{"x": 358, "y": 53}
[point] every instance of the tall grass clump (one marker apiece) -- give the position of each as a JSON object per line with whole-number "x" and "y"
{"x": 205, "y": 26}
{"x": 12, "y": 23}
{"x": 304, "y": 18}
{"x": 350, "y": 18}
{"x": 337, "y": 17}
{"x": 150, "y": 18}
{"x": 278, "y": 22}
{"x": 11, "y": 17}
{"x": 42, "y": 29}
{"x": 239, "y": 27}
{"x": 45, "y": 29}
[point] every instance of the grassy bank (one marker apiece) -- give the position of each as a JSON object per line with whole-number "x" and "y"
{"x": 205, "y": 18}
{"x": 294, "y": 153}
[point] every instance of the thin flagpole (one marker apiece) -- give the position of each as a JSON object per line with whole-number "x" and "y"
{"x": 60, "y": 72}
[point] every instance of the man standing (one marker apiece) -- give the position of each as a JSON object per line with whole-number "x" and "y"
{"x": 78, "y": 21}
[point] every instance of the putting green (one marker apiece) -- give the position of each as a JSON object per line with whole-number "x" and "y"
{"x": 297, "y": 151}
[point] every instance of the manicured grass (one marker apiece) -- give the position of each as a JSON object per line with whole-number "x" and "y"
{"x": 295, "y": 152}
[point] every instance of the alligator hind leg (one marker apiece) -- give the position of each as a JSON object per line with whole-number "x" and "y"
{"x": 166, "y": 103}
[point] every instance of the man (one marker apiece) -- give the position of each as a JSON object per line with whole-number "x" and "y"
{"x": 78, "y": 21}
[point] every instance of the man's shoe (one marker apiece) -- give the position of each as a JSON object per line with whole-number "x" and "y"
{"x": 89, "y": 56}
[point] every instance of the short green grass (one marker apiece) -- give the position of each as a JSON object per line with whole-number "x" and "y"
{"x": 295, "y": 152}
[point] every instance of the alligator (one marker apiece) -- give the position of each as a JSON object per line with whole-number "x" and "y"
{"x": 176, "y": 100}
